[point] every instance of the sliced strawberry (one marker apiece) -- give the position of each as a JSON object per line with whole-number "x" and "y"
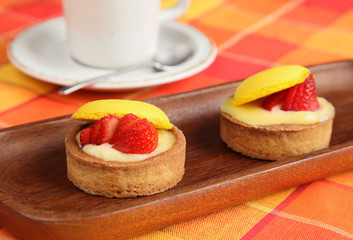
{"x": 298, "y": 98}
{"x": 85, "y": 136}
{"x": 140, "y": 138}
{"x": 314, "y": 104}
{"x": 305, "y": 98}
{"x": 301, "y": 97}
{"x": 129, "y": 134}
{"x": 95, "y": 131}
{"x": 274, "y": 99}
{"x": 310, "y": 102}
{"x": 125, "y": 123}
{"x": 107, "y": 128}
{"x": 288, "y": 99}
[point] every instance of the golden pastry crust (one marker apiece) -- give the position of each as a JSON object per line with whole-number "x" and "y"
{"x": 120, "y": 179}
{"x": 274, "y": 142}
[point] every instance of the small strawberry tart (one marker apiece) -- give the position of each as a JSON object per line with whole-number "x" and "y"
{"x": 128, "y": 149}
{"x": 276, "y": 114}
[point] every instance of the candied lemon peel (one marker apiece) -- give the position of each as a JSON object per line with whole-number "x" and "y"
{"x": 269, "y": 81}
{"x": 93, "y": 111}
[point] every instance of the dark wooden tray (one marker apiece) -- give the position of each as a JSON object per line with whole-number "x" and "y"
{"x": 38, "y": 202}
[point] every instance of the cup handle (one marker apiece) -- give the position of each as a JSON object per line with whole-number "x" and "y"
{"x": 176, "y": 11}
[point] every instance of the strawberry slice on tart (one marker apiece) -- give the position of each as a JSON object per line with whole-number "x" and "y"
{"x": 140, "y": 138}
{"x": 100, "y": 132}
{"x": 301, "y": 97}
{"x": 129, "y": 134}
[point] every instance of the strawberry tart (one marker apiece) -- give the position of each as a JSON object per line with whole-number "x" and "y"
{"x": 276, "y": 114}
{"x": 128, "y": 149}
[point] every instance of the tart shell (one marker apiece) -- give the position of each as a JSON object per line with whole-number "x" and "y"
{"x": 274, "y": 142}
{"x": 125, "y": 179}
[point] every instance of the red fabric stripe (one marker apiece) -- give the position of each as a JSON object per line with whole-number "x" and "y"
{"x": 269, "y": 217}
{"x": 339, "y": 185}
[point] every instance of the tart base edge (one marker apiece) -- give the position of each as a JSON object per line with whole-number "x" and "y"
{"x": 273, "y": 143}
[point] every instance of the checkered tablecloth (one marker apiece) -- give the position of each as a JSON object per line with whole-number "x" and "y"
{"x": 251, "y": 35}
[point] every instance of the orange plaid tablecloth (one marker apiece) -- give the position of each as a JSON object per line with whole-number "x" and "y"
{"x": 251, "y": 36}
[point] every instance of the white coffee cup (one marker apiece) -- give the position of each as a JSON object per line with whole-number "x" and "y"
{"x": 116, "y": 33}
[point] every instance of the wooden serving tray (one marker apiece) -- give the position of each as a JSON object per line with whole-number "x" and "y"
{"x": 38, "y": 202}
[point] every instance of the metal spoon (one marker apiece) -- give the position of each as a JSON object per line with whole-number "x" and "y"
{"x": 164, "y": 61}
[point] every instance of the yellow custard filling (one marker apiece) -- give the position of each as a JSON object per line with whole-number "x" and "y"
{"x": 105, "y": 151}
{"x": 254, "y": 114}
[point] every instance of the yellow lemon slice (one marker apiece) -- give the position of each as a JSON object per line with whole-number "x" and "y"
{"x": 269, "y": 81}
{"x": 97, "y": 109}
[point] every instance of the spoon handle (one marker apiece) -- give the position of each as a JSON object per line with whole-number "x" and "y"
{"x": 182, "y": 51}
{"x": 107, "y": 77}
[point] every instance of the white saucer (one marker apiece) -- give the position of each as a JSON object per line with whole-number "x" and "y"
{"x": 41, "y": 52}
